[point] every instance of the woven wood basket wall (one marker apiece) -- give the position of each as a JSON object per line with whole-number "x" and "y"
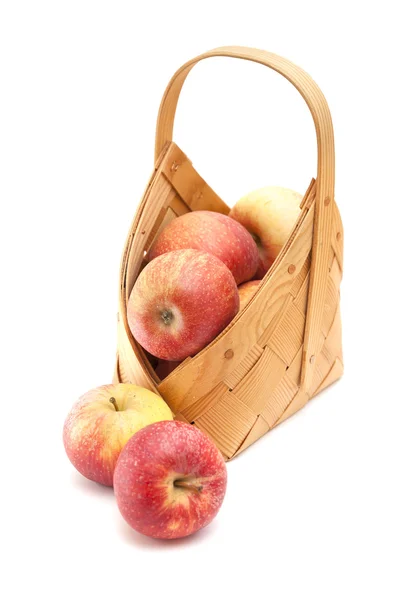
{"x": 285, "y": 346}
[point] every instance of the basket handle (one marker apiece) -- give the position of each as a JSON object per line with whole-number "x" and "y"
{"x": 325, "y": 174}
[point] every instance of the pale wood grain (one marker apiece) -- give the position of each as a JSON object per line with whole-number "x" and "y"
{"x": 194, "y": 191}
{"x": 239, "y": 417}
{"x": 279, "y": 400}
{"x": 255, "y": 389}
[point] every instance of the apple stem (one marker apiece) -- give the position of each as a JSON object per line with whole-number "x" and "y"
{"x": 180, "y": 483}
{"x": 113, "y": 401}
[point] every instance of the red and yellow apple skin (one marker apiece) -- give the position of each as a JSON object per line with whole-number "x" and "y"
{"x": 180, "y": 302}
{"x": 211, "y": 232}
{"x": 170, "y": 480}
{"x": 269, "y": 214}
{"x": 101, "y": 423}
{"x": 247, "y": 291}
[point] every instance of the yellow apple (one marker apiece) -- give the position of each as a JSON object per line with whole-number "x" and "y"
{"x": 247, "y": 291}
{"x": 101, "y": 423}
{"x": 269, "y": 214}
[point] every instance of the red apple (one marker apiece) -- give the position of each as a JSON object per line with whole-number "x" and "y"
{"x": 214, "y": 233}
{"x": 269, "y": 214}
{"x": 101, "y": 423}
{"x": 247, "y": 291}
{"x": 180, "y": 302}
{"x": 170, "y": 480}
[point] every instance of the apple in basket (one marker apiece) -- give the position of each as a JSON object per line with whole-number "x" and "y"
{"x": 180, "y": 302}
{"x": 101, "y": 423}
{"x": 269, "y": 214}
{"x": 247, "y": 291}
{"x": 214, "y": 233}
{"x": 170, "y": 480}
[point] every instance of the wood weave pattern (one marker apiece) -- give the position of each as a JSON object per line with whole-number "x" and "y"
{"x": 248, "y": 380}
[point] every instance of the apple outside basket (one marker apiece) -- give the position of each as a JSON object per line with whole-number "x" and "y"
{"x": 285, "y": 346}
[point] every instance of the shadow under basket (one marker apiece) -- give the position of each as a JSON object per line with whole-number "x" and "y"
{"x": 285, "y": 346}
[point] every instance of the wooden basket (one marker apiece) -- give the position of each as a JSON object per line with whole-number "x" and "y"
{"x": 285, "y": 346}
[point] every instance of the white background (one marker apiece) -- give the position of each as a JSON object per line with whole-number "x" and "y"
{"x": 317, "y": 508}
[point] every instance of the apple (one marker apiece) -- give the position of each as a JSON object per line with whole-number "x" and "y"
{"x": 180, "y": 302}
{"x": 269, "y": 214}
{"x": 211, "y": 232}
{"x": 101, "y": 423}
{"x": 165, "y": 367}
{"x": 170, "y": 480}
{"x": 247, "y": 291}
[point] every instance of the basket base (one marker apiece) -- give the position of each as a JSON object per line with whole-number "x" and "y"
{"x": 261, "y": 427}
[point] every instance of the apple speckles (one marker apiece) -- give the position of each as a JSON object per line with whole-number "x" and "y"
{"x": 144, "y": 480}
{"x": 199, "y": 290}
{"x": 214, "y": 233}
{"x": 94, "y": 432}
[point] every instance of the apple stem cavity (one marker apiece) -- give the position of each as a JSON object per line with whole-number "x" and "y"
{"x": 113, "y": 401}
{"x": 187, "y": 485}
{"x": 167, "y": 316}
{"x": 256, "y": 239}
